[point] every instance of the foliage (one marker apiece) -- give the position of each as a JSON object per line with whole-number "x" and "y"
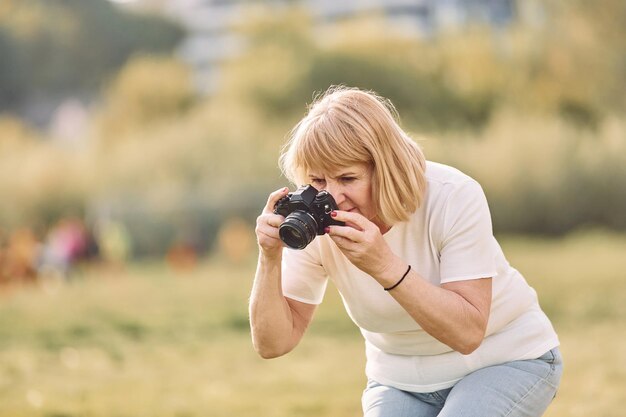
{"x": 149, "y": 90}
{"x": 454, "y": 80}
{"x": 542, "y": 175}
{"x": 280, "y": 73}
{"x": 511, "y": 108}
{"x": 41, "y": 181}
{"x": 62, "y": 47}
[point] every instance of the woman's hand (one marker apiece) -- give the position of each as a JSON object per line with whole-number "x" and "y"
{"x": 363, "y": 244}
{"x": 267, "y": 226}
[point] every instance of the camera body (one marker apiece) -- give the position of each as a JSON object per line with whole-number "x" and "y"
{"x": 307, "y": 214}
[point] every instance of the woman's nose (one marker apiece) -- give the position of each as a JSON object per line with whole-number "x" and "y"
{"x": 336, "y": 191}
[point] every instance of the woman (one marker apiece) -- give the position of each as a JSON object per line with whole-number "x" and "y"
{"x": 450, "y": 328}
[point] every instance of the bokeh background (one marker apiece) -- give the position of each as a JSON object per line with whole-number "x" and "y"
{"x": 139, "y": 141}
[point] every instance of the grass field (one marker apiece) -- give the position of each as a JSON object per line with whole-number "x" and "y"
{"x": 152, "y": 342}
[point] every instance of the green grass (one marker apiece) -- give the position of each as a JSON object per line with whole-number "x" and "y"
{"x": 151, "y": 342}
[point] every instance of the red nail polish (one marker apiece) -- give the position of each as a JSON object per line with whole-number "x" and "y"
{"x": 333, "y": 214}
{"x": 327, "y": 230}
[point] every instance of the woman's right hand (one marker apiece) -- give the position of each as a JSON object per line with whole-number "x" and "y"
{"x": 267, "y": 226}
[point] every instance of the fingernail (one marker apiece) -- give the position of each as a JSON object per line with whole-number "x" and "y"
{"x": 333, "y": 214}
{"x": 285, "y": 189}
{"x": 327, "y": 230}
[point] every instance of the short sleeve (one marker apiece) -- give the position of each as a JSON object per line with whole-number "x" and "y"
{"x": 303, "y": 276}
{"x": 467, "y": 249}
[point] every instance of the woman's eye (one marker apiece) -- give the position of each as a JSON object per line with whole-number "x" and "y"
{"x": 318, "y": 181}
{"x": 347, "y": 179}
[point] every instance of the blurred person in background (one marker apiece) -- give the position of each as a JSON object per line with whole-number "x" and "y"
{"x": 450, "y": 327}
{"x": 67, "y": 242}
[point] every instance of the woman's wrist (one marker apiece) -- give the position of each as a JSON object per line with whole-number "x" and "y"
{"x": 400, "y": 280}
{"x": 270, "y": 256}
{"x": 392, "y": 273}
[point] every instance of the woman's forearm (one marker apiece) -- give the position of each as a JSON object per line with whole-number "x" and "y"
{"x": 271, "y": 319}
{"x": 456, "y": 314}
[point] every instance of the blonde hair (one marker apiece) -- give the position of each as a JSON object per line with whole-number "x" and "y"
{"x": 346, "y": 126}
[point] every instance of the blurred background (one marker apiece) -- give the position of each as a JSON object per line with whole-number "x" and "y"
{"x": 139, "y": 141}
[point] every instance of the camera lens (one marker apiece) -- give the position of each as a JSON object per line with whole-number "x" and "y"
{"x": 298, "y": 229}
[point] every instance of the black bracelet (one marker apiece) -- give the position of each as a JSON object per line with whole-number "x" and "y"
{"x": 401, "y": 279}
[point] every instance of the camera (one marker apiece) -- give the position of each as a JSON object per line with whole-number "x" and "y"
{"x": 307, "y": 214}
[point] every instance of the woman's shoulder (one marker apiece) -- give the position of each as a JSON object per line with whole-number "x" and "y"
{"x": 438, "y": 173}
{"x": 447, "y": 184}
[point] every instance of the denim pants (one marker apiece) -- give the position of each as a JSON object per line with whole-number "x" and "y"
{"x": 513, "y": 389}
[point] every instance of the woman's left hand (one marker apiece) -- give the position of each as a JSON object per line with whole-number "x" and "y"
{"x": 362, "y": 243}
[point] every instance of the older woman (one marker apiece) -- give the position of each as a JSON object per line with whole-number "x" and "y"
{"x": 450, "y": 328}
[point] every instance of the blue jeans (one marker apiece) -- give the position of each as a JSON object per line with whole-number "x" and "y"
{"x": 513, "y": 389}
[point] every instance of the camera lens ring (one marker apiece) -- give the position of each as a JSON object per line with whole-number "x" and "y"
{"x": 298, "y": 229}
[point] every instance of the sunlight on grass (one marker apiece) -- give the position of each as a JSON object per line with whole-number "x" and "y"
{"x": 149, "y": 341}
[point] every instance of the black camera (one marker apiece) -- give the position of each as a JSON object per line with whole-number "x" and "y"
{"x": 307, "y": 214}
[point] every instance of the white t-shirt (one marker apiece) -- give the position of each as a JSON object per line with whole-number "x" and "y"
{"x": 449, "y": 238}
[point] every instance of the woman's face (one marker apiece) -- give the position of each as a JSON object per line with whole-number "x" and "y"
{"x": 351, "y": 187}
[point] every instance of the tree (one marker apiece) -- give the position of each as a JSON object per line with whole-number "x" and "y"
{"x": 54, "y": 48}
